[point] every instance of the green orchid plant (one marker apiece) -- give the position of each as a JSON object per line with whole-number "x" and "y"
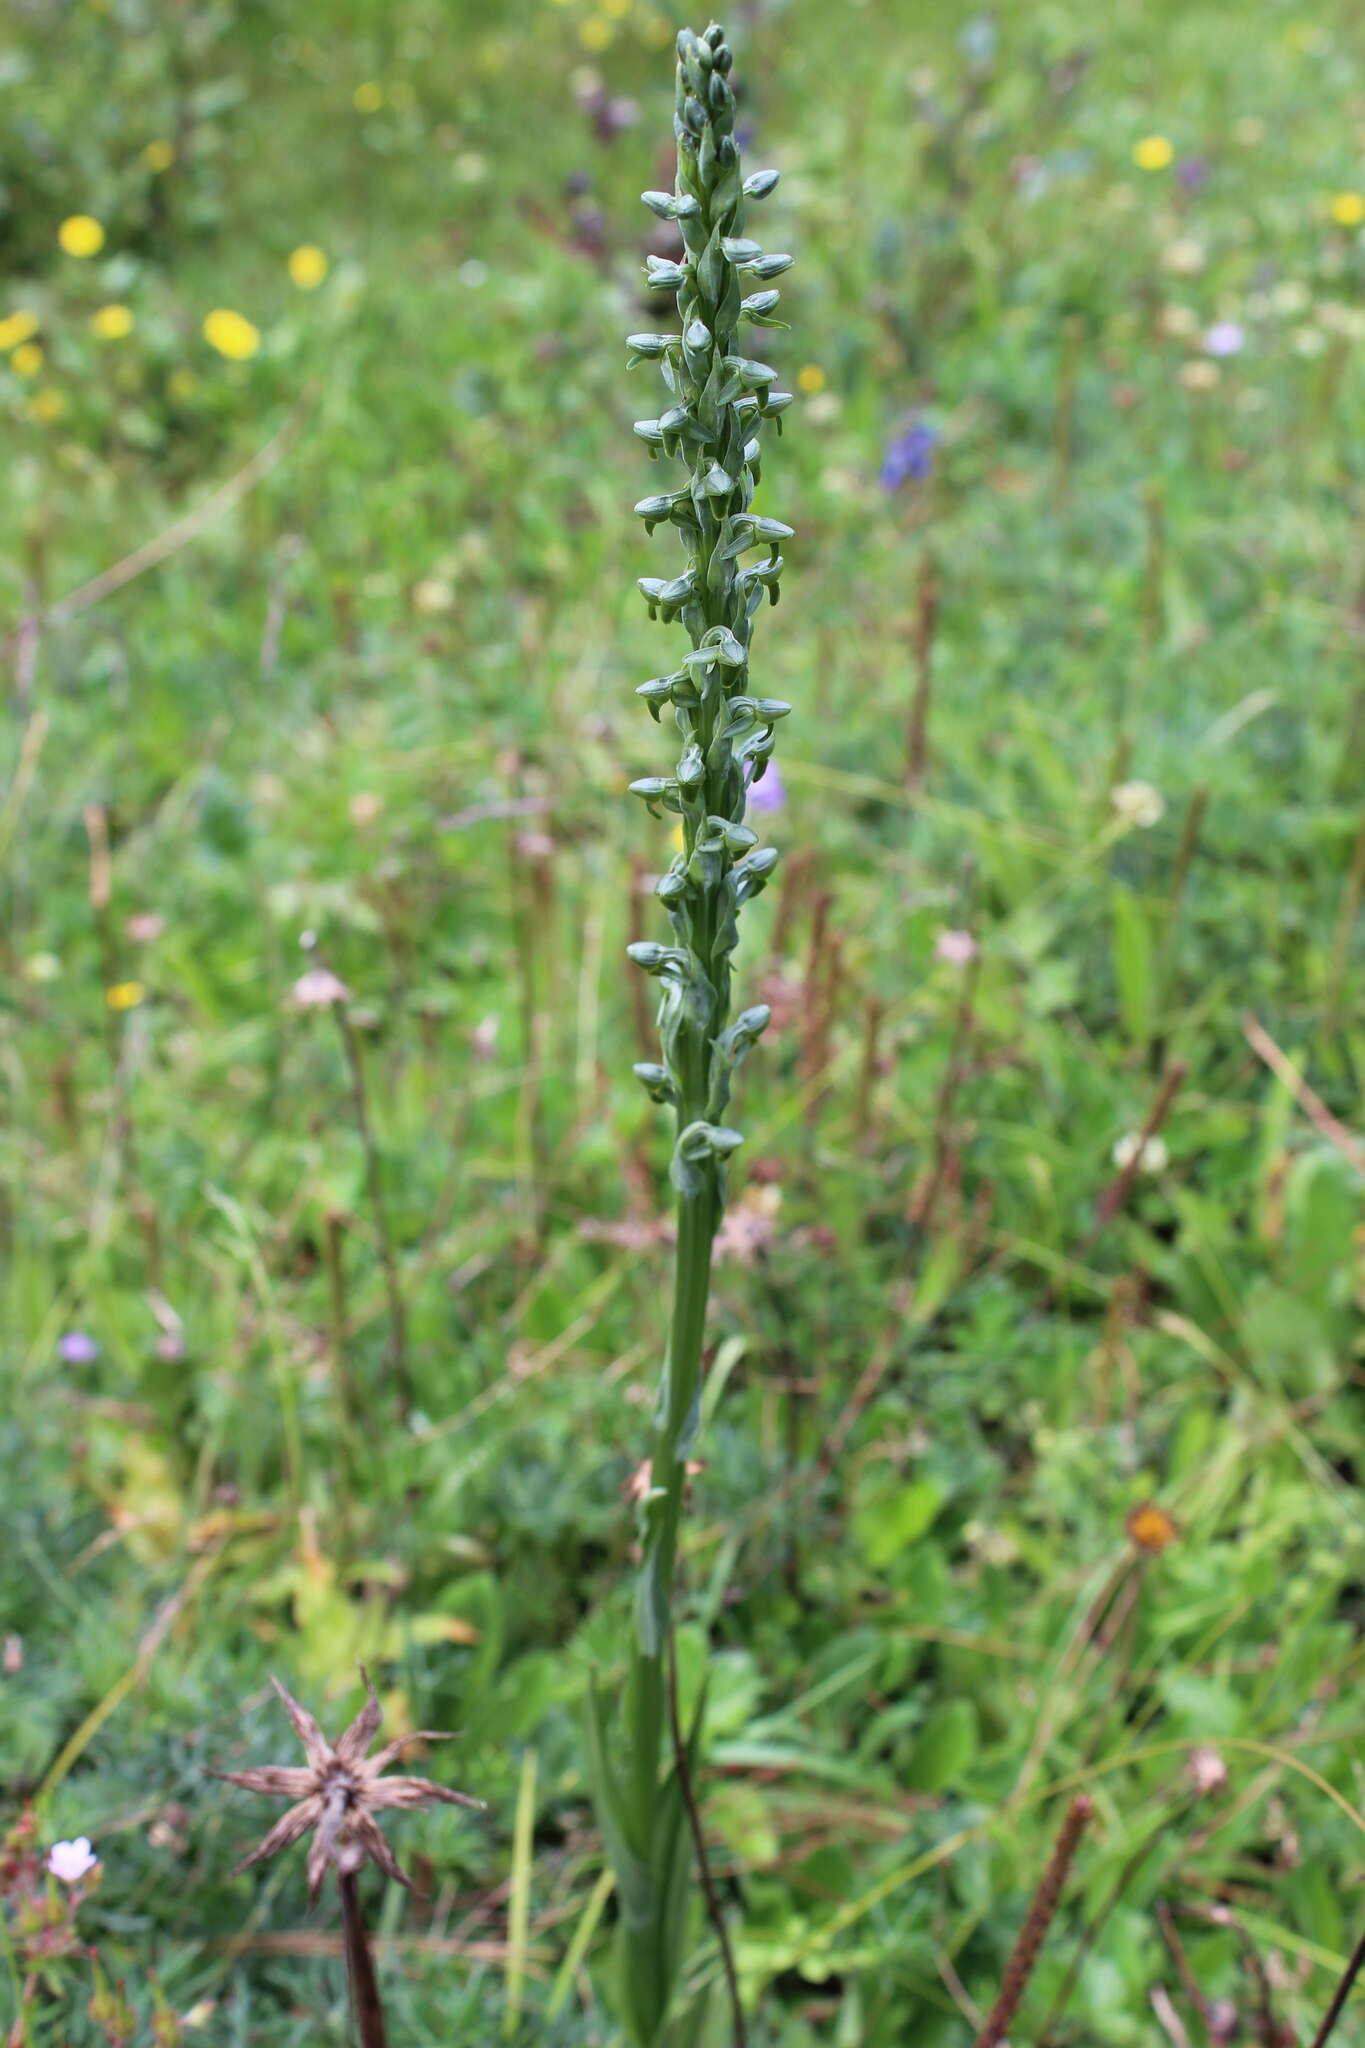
{"x": 720, "y": 398}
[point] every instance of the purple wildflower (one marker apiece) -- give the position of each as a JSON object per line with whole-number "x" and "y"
{"x": 76, "y": 1348}
{"x": 909, "y": 456}
{"x": 770, "y": 794}
{"x": 71, "y": 1861}
{"x": 1224, "y": 338}
{"x": 1192, "y": 172}
{"x": 955, "y": 948}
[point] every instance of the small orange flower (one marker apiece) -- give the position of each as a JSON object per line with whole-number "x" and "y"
{"x": 1151, "y": 1528}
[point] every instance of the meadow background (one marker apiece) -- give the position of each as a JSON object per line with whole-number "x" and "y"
{"x": 1037, "y": 1464}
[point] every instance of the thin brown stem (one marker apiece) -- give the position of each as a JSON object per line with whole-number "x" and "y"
{"x": 1311, "y": 1103}
{"x": 1116, "y": 1194}
{"x": 1064, "y": 432}
{"x": 873, "y": 1017}
{"x": 926, "y": 625}
{"x": 374, "y": 1180}
{"x": 369, "y": 2013}
{"x": 1167, "y": 1826}
{"x": 1038, "y": 1919}
{"x": 1341, "y": 1994}
{"x": 1170, "y": 1934}
{"x": 925, "y": 1199}
{"x": 714, "y": 1912}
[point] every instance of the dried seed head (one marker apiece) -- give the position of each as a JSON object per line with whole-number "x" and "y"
{"x": 338, "y": 1792}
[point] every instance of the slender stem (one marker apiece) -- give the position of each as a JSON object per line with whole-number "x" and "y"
{"x": 1038, "y": 1919}
{"x": 1167, "y": 1828}
{"x": 343, "y": 1391}
{"x": 1165, "y": 1920}
{"x": 369, "y": 2013}
{"x": 1341, "y": 1994}
{"x": 926, "y": 624}
{"x": 667, "y": 1478}
{"x": 714, "y": 1911}
{"x": 374, "y": 1181}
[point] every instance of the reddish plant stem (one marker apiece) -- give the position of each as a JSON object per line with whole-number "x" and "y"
{"x": 925, "y": 628}
{"x": 1116, "y": 1194}
{"x": 925, "y": 1201}
{"x": 873, "y": 1017}
{"x": 369, "y": 2013}
{"x": 1032, "y": 1934}
{"x": 1340, "y": 1995}
{"x": 1170, "y": 1935}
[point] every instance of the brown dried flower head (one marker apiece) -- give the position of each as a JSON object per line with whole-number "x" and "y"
{"x": 339, "y": 1792}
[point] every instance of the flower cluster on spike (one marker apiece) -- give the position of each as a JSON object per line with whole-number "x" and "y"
{"x": 721, "y": 396}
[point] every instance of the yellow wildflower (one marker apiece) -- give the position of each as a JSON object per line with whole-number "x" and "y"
{"x": 368, "y": 97}
{"x": 810, "y": 379}
{"x": 182, "y": 383}
{"x": 20, "y": 326}
{"x": 231, "y": 334}
{"x": 595, "y": 33}
{"x": 81, "y": 235}
{"x": 618, "y": 9}
{"x": 158, "y": 156}
{"x": 308, "y": 266}
{"x": 1348, "y": 209}
{"x": 111, "y": 323}
{"x": 47, "y": 405}
{"x": 27, "y": 359}
{"x": 125, "y": 995}
{"x": 1153, "y": 153}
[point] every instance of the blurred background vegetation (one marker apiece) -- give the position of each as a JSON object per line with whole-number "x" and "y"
{"x": 331, "y": 1327}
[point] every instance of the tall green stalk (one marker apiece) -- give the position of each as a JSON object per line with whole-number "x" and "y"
{"x": 720, "y": 397}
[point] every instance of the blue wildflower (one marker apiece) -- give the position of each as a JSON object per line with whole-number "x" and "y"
{"x": 770, "y": 794}
{"x": 909, "y": 456}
